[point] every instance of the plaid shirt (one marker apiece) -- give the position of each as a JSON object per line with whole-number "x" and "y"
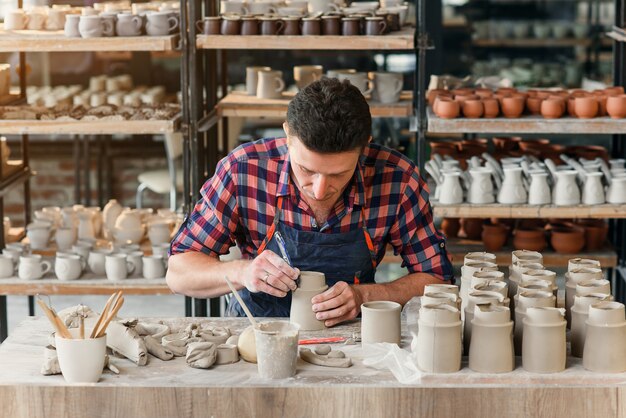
{"x": 239, "y": 202}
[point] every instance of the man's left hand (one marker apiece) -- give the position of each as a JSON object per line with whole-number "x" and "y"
{"x": 340, "y": 303}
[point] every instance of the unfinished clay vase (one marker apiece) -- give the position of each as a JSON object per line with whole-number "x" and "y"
{"x": 572, "y": 278}
{"x": 277, "y": 349}
{"x": 491, "y": 348}
{"x": 439, "y": 339}
{"x": 566, "y": 191}
{"x": 544, "y": 346}
{"x": 587, "y": 287}
{"x": 580, "y": 313}
{"x": 440, "y": 287}
{"x": 486, "y": 277}
{"x": 478, "y": 298}
{"x": 497, "y": 286}
{"x": 479, "y": 256}
{"x": 515, "y": 277}
{"x": 541, "y": 274}
{"x": 537, "y": 284}
{"x": 578, "y": 262}
{"x": 525, "y": 300}
{"x": 467, "y": 272}
{"x": 451, "y": 190}
{"x": 380, "y": 322}
{"x": 312, "y": 283}
{"x": 605, "y": 343}
{"x": 436, "y": 298}
{"x": 526, "y": 256}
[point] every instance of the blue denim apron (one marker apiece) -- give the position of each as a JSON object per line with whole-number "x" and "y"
{"x": 348, "y": 256}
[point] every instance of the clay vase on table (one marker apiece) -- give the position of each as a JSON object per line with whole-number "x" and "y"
{"x": 380, "y": 322}
{"x": 580, "y": 313}
{"x": 526, "y": 256}
{"x": 437, "y": 298}
{"x": 587, "y": 287}
{"x": 524, "y": 301}
{"x": 475, "y": 298}
{"x": 605, "y": 343}
{"x": 491, "y": 347}
{"x": 439, "y": 339}
{"x": 572, "y": 278}
{"x": 544, "y": 346}
{"x": 487, "y": 277}
{"x": 479, "y": 256}
{"x": 467, "y": 272}
{"x": 312, "y": 283}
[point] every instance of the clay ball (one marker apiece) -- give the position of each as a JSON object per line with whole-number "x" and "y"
{"x": 247, "y": 345}
{"x": 336, "y": 354}
{"x": 322, "y": 349}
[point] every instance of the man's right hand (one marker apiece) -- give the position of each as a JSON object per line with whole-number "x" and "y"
{"x": 269, "y": 273}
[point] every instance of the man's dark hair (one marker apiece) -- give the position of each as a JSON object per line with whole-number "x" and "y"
{"x": 330, "y": 116}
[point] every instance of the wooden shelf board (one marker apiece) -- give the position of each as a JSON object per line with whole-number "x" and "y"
{"x": 526, "y": 124}
{"x": 56, "y": 41}
{"x": 103, "y": 127}
{"x": 400, "y": 40}
{"x": 531, "y": 43}
{"x": 496, "y": 210}
{"x": 83, "y": 286}
{"x": 239, "y": 104}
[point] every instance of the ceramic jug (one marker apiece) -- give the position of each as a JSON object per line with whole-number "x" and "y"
{"x": 616, "y": 192}
{"x": 481, "y": 187}
{"x": 580, "y": 313}
{"x": 109, "y": 215}
{"x": 491, "y": 347}
{"x": 439, "y": 339}
{"x": 539, "y": 192}
{"x": 543, "y": 328}
{"x": 512, "y": 191}
{"x": 566, "y": 191}
{"x": 593, "y": 191}
{"x": 451, "y": 190}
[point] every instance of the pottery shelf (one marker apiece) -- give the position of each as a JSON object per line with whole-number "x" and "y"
{"x": 239, "y": 104}
{"x": 83, "y": 286}
{"x": 400, "y": 40}
{"x": 56, "y": 41}
{"x": 526, "y": 125}
{"x": 99, "y": 127}
{"x": 531, "y": 43}
{"x": 497, "y": 210}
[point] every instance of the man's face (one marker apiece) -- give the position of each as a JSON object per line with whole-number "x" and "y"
{"x": 321, "y": 177}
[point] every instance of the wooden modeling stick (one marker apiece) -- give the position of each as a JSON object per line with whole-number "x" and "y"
{"x": 56, "y": 322}
{"x": 243, "y": 305}
{"x": 105, "y": 310}
{"x": 116, "y": 307}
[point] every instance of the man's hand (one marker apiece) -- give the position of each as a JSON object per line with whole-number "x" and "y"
{"x": 340, "y": 303}
{"x": 268, "y": 273}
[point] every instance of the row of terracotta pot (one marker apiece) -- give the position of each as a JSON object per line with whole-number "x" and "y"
{"x": 565, "y": 237}
{"x": 511, "y": 103}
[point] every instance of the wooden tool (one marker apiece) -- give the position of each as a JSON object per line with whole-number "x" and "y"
{"x": 105, "y": 310}
{"x": 328, "y": 340}
{"x": 243, "y": 305}
{"x": 82, "y": 328}
{"x": 56, "y": 322}
{"x": 114, "y": 310}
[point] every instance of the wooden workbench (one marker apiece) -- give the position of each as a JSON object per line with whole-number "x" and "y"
{"x": 169, "y": 389}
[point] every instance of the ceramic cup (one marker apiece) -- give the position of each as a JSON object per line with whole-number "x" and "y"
{"x": 359, "y": 80}
{"x": 68, "y": 266}
{"x": 252, "y": 78}
{"x": 136, "y": 259}
{"x": 209, "y": 25}
{"x": 231, "y": 25}
{"x": 13, "y": 253}
{"x": 33, "y": 267}
{"x": 272, "y": 338}
{"x": 38, "y": 236}
{"x": 306, "y": 74}
{"x": 7, "y": 267}
{"x": 128, "y": 25}
{"x": 15, "y": 20}
{"x": 96, "y": 261}
{"x": 36, "y": 20}
{"x": 311, "y": 26}
{"x": 161, "y": 23}
{"x": 153, "y": 267}
{"x": 117, "y": 267}
{"x": 159, "y": 233}
{"x": 111, "y": 18}
{"x": 81, "y": 360}
{"x": 93, "y": 26}
{"x": 380, "y": 322}
{"x": 270, "y": 84}
{"x": 387, "y": 86}
{"x": 375, "y": 26}
{"x": 65, "y": 238}
{"x": 56, "y": 19}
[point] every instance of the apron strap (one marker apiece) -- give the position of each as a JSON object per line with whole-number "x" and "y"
{"x": 272, "y": 230}
{"x": 368, "y": 241}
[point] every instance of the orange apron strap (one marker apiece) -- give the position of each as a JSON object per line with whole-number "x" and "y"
{"x": 270, "y": 233}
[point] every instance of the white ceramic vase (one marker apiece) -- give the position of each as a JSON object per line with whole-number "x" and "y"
{"x": 539, "y": 191}
{"x": 451, "y": 190}
{"x": 566, "y": 191}
{"x": 481, "y": 186}
{"x": 512, "y": 191}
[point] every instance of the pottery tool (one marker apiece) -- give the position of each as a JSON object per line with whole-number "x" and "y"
{"x": 243, "y": 305}
{"x": 283, "y": 251}
{"x": 114, "y": 310}
{"x": 327, "y": 340}
{"x": 81, "y": 328}
{"x": 105, "y": 310}
{"x": 56, "y": 322}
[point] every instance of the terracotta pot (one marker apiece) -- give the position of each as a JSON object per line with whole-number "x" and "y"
{"x": 512, "y": 107}
{"x": 532, "y": 239}
{"x": 464, "y": 97}
{"x": 586, "y": 107}
{"x": 491, "y": 107}
{"x": 443, "y": 148}
{"x": 596, "y": 233}
{"x": 472, "y": 108}
{"x": 614, "y": 91}
{"x": 473, "y": 227}
{"x": 506, "y": 143}
{"x": 432, "y": 95}
{"x": 450, "y": 227}
{"x": 446, "y": 108}
{"x": 616, "y": 106}
{"x": 543, "y": 94}
{"x": 552, "y": 108}
{"x": 494, "y": 236}
{"x": 571, "y": 106}
{"x": 534, "y": 105}
{"x": 567, "y": 240}
{"x": 484, "y": 93}
{"x": 506, "y": 90}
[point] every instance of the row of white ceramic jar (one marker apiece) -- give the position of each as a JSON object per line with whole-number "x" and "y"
{"x": 122, "y": 225}
{"x": 115, "y": 264}
{"x": 525, "y": 29}
{"x": 527, "y": 180}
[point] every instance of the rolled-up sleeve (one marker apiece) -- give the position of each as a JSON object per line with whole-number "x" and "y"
{"x": 211, "y": 225}
{"x": 414, "y": 236}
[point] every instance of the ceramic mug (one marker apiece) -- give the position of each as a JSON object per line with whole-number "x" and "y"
{"x": 233, "y": 6}
{"x": 36, "y": 21}
{"x": 306, "y": 74}
{"x": 321, "y": 6}
{"x": 249, "y": 25}
{"x": 117, "y": 267}
{"x": 161, "y": 23}
{"x": 128, "y": 25}
{"x": 271, "y": 26}
{"x": 38, "y": 236}
{"x": 252, "y": 78}
{"x": 231, "y": 25}
{"x": 68, "y": 266}
{"x": 311, "y": 26}
{"x": 33, "y": 267}
{"x": 56, "y": 19}
{"x": 387, "y": 86}
{"x": 15, "y": 20}
{"x": 7, "y": 267}
{"x": 331, "y": 25}
{"x": 209, "y": 25}
{"x": 65, "y": 238}
{"x": 136, "y": 259}
{"x": 380, "y": 322}
{"x": 94, "y": 27}
{"x": 375, "y": 26}
{"x": 292, "y": 25}
{"x": 96, "y": 261}
{"x": 111, "y": 18}
{"x": 153, "y": 267}
{"x": 81, "y": 360}
{"x": 270, "y": 84}
{"x": 359, "y": 80}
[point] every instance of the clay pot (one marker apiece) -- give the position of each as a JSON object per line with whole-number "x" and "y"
{"x": 586, "y": 107}
{"x": 432, "y": 95}
{"x": 614, "y": 91}
{"x": 506, "y": 143}
{"x": 532, "y": 239}
{"x": 450, "y": 227}
{"x": 446, "y": 108}
{"x": 473, "y": 227}
{"x": 491, "y": 107}
{"x": 512, "y": 107}
{"x": 567, "y": 240}
{"x": 596, "y": 232}
{"x": 472, "y": 108}
{"x": 506, "y": 90}
{"x": 616, "y": 106}
{"x": 484, "y": 93}
{"x": 552, "y": 108}
{"x": 494, "y": 236}
{"x": 534, "y": 105}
